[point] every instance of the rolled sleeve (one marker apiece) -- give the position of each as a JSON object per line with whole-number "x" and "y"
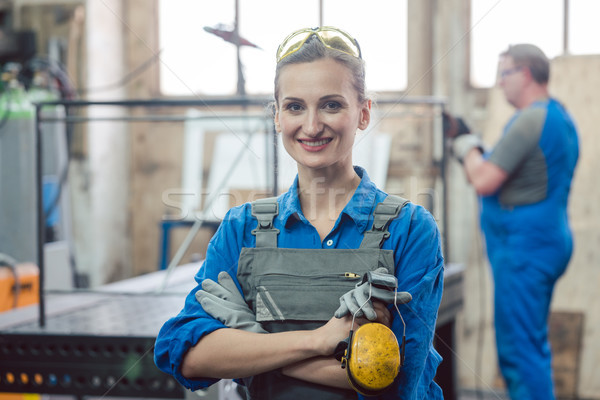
{"x": 178, "y": 335}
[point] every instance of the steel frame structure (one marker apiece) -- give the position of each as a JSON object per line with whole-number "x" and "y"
{"x": 100, "y": 343}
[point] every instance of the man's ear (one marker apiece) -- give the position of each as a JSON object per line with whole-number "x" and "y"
{"x": 527, "y": 73}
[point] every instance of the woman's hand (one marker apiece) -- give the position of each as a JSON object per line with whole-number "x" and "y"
{"x": 326, "y": 370}
{"x": 384, "y": 316}
{"x": 337, "y": 329}
{"x": 376, "y": 285}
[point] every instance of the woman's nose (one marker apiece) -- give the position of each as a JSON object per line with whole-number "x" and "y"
{"x": 313, "y": 125}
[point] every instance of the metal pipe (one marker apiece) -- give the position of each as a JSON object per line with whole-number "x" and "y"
{"x": 443, "y": 166}
{"x": 566, "y": 27}
{"x": 275, "y": 161}
{"x": 150, "y": 118}
{"x": 229, "y": 101}
{"x": 41, "y": 219}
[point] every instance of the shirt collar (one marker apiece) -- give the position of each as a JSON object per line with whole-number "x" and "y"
{"x": 290, "y": 203}
{"x": 361, "y": 205}
{"x": 359, "y": 208}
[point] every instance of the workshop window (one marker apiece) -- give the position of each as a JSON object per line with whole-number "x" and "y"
{"x": 195, "y": 62}
{"x": 497, "y": 24}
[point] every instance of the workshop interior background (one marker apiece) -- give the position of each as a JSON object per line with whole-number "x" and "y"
{"x": 131, "y": 177}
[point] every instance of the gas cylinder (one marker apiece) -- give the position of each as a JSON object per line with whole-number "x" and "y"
{"x": 18, "y": 212}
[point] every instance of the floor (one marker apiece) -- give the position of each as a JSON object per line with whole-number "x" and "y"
{"x": 481, "y": 395}
{"x": 213, "y": 395}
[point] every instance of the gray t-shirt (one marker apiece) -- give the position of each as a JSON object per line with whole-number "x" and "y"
{"x": 519, "y": 154}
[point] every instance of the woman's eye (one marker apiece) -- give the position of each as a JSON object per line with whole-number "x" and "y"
{"x": 293, "y": 107}
{"x": 332, "y": 105}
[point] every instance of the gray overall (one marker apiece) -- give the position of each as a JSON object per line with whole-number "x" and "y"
{"x": 299, "y": 289}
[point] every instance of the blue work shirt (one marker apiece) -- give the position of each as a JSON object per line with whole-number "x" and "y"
{"x": 414, "y": 237}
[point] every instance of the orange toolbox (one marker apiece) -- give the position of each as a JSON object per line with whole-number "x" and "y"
{"x": 19, "y": 287}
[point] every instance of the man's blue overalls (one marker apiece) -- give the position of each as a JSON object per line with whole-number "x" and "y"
{"x": 529, "y": 247}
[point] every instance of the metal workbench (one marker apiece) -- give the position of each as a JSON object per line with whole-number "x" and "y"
{"x": 100, "y": 343}
{"x": 97, "y": 343}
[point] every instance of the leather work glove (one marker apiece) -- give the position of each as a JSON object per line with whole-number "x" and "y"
{"x": 381, "y": 285}
{"x": 453, "y": 126}
{"x": 465, "y": 143}
{"x": 223, "y": 301}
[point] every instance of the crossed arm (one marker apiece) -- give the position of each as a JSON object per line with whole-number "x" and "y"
{"x": 306, "y": 355}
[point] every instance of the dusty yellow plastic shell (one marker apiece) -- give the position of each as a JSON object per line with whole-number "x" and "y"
{"x": 374, "y": 359}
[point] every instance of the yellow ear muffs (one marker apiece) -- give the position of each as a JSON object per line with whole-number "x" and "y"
{"x": 372, "y": 359}
{"x": 371, "y": 355}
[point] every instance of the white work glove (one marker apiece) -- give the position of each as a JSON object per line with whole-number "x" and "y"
{"x": 465, "y": 143}
{"x": 358, "y": 300}
{"x": 223, "y": 301}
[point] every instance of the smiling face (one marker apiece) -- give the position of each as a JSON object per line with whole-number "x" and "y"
{"x": 318, "y": 114}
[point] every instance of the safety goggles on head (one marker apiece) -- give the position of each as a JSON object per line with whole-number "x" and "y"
{"x": 332, "y": 38}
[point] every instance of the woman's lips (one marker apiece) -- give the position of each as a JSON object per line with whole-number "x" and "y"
{"x": 314, "y": 145}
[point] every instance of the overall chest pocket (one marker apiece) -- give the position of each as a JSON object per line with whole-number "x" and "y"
{"x": 303, "y": 284}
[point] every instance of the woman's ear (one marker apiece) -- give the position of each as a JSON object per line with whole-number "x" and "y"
{"x": 365, "y": 115}
{"x": 276, "y": 121}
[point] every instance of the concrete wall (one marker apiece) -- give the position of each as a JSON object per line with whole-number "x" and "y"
{"x": 108, "y": 250}
{"x": 575, "y": 81}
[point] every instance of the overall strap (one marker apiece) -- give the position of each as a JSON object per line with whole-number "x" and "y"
{"x": 384, "y": 213}
{"x": 265, "y": 210}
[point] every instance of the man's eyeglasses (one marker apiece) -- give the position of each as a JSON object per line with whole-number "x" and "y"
{"x": 331, "y": 37}
{"x": 509, "y": 71}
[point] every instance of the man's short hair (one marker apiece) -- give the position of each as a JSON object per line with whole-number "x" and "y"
{"x": 532, "y": 57}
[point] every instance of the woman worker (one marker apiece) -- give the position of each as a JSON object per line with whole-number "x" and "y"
{"x": 277, "y": 271}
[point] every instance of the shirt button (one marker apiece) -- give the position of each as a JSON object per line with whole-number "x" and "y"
{"x": 329, "y": 243}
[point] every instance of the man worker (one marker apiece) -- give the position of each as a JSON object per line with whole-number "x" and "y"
{"x": 524, "y": 184}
